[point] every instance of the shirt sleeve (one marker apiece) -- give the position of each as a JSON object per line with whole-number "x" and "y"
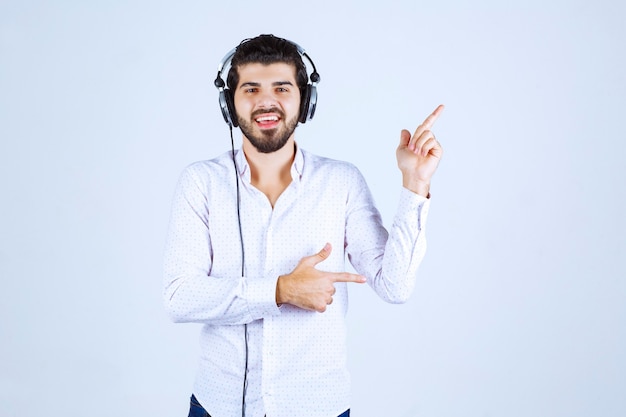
{"x": 389, "y": 259}
{"x": 191, "y": 293}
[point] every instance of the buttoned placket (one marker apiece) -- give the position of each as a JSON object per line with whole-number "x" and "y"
{"x": 270, "y": 339}
{"x": 270, "y": 262}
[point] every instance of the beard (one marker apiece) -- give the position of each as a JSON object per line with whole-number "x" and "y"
{"x": 267, "y": 140}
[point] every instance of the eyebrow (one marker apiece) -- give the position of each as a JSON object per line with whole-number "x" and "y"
{"x": 274, "y": 84}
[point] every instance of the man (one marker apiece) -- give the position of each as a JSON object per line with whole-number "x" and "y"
{"x": 243, "y": 252}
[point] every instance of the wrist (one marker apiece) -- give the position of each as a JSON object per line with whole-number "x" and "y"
{"x": 417, "y": 186}
{"x": 280, "y": 291}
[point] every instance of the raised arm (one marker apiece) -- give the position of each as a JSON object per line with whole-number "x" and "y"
{"x": 390, "y": 261}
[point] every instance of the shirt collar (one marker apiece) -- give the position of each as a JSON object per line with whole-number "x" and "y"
{"x": 298, "y": 164}
{"x": 244, "y": 168}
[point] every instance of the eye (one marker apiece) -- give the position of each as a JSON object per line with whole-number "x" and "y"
{"x": 251, "y": 90}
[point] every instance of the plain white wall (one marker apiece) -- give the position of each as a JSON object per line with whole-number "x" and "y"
{"x": 520, "y": 309}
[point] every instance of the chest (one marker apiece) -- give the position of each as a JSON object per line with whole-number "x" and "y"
{"x": 276, "y": 237}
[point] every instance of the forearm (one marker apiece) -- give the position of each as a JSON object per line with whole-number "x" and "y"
{"x": 404, "y": 250}
{"x": 221, "y": 301}
{"x": 391, "y": 261}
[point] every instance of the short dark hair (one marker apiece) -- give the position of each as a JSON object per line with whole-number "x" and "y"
{"x": 266, "y": 50}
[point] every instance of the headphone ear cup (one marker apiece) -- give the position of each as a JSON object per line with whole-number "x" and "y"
{"x": 312, "y": 101}
{"x": 305, "y": 101}
{"x": 225, "y": 106}
{"x": 230, "y": 105}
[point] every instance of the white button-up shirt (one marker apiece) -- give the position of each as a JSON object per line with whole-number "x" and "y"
{"x": 296, "y": 358}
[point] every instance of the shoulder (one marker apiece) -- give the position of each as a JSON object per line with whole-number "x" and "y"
{"x": 333, "y": 176}
{"x": 208, "y": 173}
{"x": 315, "y": 164}
{"x": 219, "y": 165}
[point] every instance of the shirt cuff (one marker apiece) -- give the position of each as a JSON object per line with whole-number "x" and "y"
{"x": 261, "y": 296}
{"x": 411, "y": 203}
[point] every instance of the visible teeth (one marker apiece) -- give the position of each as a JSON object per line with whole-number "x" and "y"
{"x": 267, "y": 119}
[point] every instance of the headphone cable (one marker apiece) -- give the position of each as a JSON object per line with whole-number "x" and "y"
{"x": 245, "y": 326}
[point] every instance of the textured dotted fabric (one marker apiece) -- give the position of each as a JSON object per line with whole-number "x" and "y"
{"x": 296, "y": 358}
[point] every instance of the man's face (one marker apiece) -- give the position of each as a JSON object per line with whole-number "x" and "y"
{"x": 267, "y": 101}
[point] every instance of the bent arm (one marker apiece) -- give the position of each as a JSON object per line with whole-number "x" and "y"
{"x": 193, "y": 290}
{"x": 393, "y": 262}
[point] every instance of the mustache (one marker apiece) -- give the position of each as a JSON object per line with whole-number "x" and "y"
{"x": 276, "y": 110}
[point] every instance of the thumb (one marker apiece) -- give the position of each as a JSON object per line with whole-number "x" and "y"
{"x": 319, "y": 256}
{"x": 405, "y": 137}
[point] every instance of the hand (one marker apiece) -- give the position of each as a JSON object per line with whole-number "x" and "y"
{"x": 419, "y": 155}
{"x": 310, "y": 288}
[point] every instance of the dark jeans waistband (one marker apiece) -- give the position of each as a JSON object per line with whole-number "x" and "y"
{"x": 196, "y": 410}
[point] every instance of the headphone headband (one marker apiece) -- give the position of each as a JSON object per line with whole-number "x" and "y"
{"x": 226, "y": 99}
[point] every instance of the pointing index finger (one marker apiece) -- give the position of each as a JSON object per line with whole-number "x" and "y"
{"x": 348, "y": 277}
{"x": 425, "y": 126}
{"x": 432, "y": 118}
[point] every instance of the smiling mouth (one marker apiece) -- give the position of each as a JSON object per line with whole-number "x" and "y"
{"x": 266, "y": 119}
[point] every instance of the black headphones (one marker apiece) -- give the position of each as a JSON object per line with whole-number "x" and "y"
{"x": 308, "y": 96}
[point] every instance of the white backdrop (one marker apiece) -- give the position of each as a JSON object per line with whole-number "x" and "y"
{"x": 520, "y": 309}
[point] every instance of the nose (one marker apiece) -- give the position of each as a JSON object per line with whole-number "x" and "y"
{"x": 266, "y": 99}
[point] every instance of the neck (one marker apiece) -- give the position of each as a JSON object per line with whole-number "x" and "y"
{"x": 270, "y": 172}
{"x": 269, "y": 164}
